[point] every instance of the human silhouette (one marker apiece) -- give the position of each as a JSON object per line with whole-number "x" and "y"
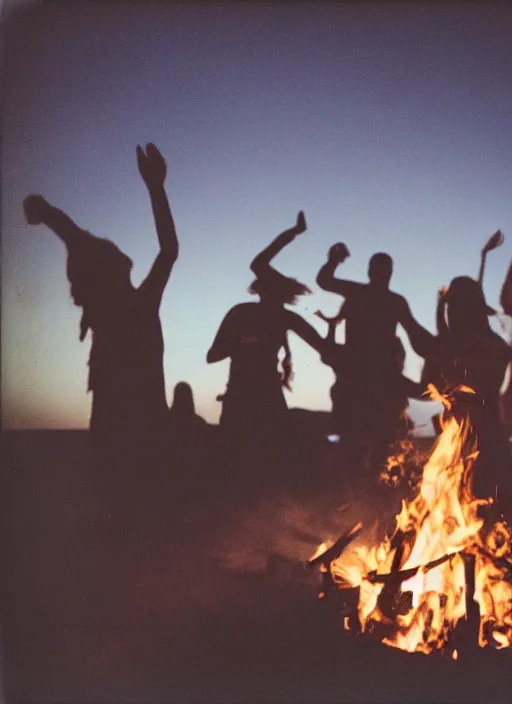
{"x": 126, "y": 377}
{"x": 186, "y": 426}
{"x": 467, "y": 353}
{"x": 336, "y": 357}
{"x": 506, "y": 398}
{"x": 496, "y": 240}
{"x": 506, "y": 293}
{"x": 373, "y": 393}
{"x": 254, "y": 410}
{"x": 188, "y": 448}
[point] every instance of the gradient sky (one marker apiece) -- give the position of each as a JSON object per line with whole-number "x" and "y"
{"x": 389, "y": 124}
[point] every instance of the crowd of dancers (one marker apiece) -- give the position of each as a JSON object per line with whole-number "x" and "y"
{"x": 130, "y": 419}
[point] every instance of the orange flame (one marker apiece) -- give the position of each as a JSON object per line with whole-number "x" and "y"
{"x": 413, "y": 585}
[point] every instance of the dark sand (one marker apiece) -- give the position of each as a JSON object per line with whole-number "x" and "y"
{"x": 198, "y": 595}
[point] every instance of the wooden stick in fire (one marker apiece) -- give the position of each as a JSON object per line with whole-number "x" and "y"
{"x": 335, "y": 550}
{"x": 402, "y": 575}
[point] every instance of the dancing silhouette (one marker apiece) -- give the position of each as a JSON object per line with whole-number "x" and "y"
{"x": 254, "y": 411}
{"x": 467, "y": 353}
{"x": 126, "y": 377}
{"x": 506, "y": 397}
{"x": 336, "y": 357}
{"x": 370, "y": 396}
{"x": 496, "y": 240}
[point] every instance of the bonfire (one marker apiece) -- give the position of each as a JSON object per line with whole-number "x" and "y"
{"x": 441, "y": 581}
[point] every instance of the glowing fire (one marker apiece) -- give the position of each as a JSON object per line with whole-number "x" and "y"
{"x": 442, "y": 564}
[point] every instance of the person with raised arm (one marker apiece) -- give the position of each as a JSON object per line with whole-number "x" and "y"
{"x": 126, "y": 376}
{"x": 470, "y": 355}
{"x": 373, "y": 394}
{"x": 252, "y": 335}
{"x": 506, "y": 397}
{"x": 496, "y": 240}
{"x": 372, "y": 312}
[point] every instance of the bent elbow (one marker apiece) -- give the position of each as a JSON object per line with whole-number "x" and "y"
{"x": 254, "y": 267}
{"x": 170, "y": 254}
{"x": 214, "y": 355}
{"x": 322, "y": 280}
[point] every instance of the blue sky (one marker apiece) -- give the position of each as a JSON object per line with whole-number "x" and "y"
{"x": 388, "y": 124}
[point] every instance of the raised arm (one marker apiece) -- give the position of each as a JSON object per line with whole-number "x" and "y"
{"x": 153, "y": 171}
{"x": 261, "y": 262}
{"x": 326, "y": 279}
{"x": 442, "y": 325}
{"x": 39, "y": 212}
{"x": 422, "y": 341}
{"x": 496, "y": 240}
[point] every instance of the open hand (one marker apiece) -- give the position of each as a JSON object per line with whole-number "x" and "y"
{"x": 338, "y": 252}
{"x": 34, "y": 207}
{"x": 300, "y": 225}
{"x": 494, "y": 241}
{"x": 152, "y": 166}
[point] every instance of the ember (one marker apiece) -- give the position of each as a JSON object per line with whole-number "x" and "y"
{"x": 443, "y": 578}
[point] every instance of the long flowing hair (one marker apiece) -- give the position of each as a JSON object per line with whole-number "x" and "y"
{"x": 95, "y": 266}
{"x": 467, "y": 309}
{"x": 282, "y": 290}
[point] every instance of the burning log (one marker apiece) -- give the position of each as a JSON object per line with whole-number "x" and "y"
{"x": 336, "y": 550}
{"x": 472, "y": 608}
{"x": 396, "y": 578}
{"x": 347, "y": 597}
{"x": 448, "y": 604}
{"x": 465, "y": 637}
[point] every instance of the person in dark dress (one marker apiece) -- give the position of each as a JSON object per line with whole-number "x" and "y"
{"x": 469, "y": 355}
{"x": 126, "y": 377}
{"x": 254, "y": 410}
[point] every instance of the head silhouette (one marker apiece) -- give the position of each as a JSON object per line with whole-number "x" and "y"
{"x": 466, "y": 307}
{"x": 98, "y": 273}
{"x": 183, "y": 401}
{"x": 276, "y": 288}
{"x": 380, "y": 269}
{"x": 95, "y": 267}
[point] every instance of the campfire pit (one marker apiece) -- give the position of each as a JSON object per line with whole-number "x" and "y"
{"x": 442, "y": 581}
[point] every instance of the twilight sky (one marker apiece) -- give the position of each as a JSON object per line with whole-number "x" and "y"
{"x": 389, "y": 124}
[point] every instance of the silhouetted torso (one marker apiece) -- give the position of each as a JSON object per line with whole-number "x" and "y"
{"x": 479, "y": 362}
{"x": 372, "y": 316}
{"x": 254, "y": 394}
{"x": 469, "y": 354}
{"x": 126, "y": 367}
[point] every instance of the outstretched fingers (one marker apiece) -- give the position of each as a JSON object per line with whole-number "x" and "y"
{"x": 153, "y": 152}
